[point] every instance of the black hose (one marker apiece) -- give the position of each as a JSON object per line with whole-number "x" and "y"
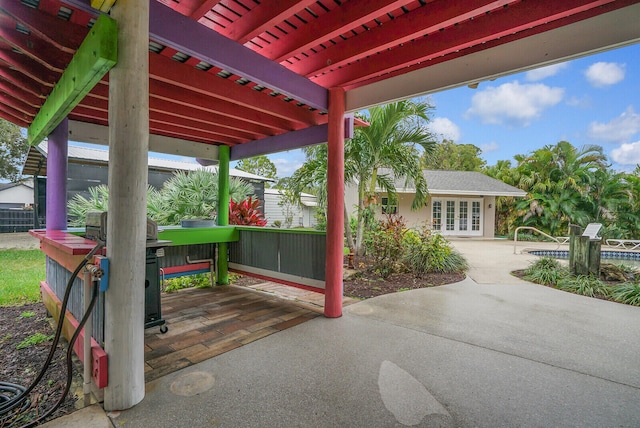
{"x": 8, "y": 406}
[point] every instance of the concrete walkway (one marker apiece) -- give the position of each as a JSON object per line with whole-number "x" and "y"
{"x": 477, "y": 354}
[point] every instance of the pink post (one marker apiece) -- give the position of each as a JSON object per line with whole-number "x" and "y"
{"x": 335, "y": 205}
{"x": 57, "y": 149}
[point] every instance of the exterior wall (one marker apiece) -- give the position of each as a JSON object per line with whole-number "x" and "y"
{"x": 301, "y": 216}
{"x": 489, "y": 217}
{"x": 16, "y": 197}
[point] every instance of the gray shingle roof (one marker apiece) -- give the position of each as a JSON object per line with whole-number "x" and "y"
{"x": 460, "y": 183}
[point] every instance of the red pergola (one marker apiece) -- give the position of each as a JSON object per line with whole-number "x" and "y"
{"x": 363, "y": 46}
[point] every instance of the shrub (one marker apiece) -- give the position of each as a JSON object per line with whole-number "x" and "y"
{"x": 428, "y": 252}
{"x": 628, "y": 293}
{"x": 546, "y": 271}
{"x": 201, "y": 280}
{"x": 384, "y": 243}
{"x": 246, "y": 213}
{"x": 585, "y": 285}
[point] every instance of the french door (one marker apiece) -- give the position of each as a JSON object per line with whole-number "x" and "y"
{"x": 457, "y": 216}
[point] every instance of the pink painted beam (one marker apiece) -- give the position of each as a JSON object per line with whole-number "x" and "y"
{"x": 501, "y": 23}
{"x": 425, "y": 20}
{"x": 338, "y": 21}
{"x": 335, "y": 205}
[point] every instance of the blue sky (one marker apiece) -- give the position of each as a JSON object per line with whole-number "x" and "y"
{"x": 591, "y": 100}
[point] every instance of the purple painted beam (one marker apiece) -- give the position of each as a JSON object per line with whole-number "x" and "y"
{"x": 186, "y": 35}
{"x": 173, "y": 29}
{"x": 289, "y": 141}
{"x": 57, "y": 153}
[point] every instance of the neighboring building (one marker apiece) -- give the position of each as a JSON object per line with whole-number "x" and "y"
{"x": 289, "y": 216}
{"x": 88, "y": 167}
{"x": 461, "y": 203}
{"x": 16, "y": 195}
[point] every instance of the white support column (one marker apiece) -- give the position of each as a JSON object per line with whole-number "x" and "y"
{"x": 126, "y": 228}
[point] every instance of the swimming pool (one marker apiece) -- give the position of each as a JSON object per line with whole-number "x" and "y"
{"x": 626, "y": 257}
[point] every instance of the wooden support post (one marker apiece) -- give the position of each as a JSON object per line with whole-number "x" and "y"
{"x": 574, "y": 234}
{"x": 223, "y": 211}
{"x": 126, "y": 228}
{"x": 335, "y": 206}
{"x": 57, "y": 171}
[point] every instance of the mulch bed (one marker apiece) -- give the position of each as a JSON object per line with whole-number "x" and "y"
{"x": 366, "y": 283}
{"x": 21, "y": 366}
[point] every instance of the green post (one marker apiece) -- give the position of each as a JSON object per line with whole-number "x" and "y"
{"x": 223, "y": 212}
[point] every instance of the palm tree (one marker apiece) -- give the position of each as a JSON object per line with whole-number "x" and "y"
{"x": 560, "y": 181}
{"x": 389, "y": 142}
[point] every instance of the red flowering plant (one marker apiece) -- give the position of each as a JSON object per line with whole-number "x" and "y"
{"x": 246, "y": 213}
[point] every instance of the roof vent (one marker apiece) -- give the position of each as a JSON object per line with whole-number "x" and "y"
{"x": 180, "y": 57}
{"x": 22, "y": 29}
{"x": 204, "y": 66}
{"x": 155, "y": 47}
{"x": 65, "y": 13}
{"x": 31, "y": 3}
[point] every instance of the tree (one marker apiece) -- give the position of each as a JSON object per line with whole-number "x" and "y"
{"x": 377, "y": 156}
{"x": 390, "y": 142}
{"x": 259, "y": 165}
{"x": 13, "y": 150}
{"x": 450, "y": 156}
{"x": 183, "y": 196}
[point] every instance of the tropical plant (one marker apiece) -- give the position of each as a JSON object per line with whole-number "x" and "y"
{"x": 628, "y": 293}
{"x": 385, "y": 245}
{"x": 427, "y": 252}
{"x": 378, "y": 156}
{"x": 546, "y": 271}
{"x": 183, "y": 196}
{"x": 246, "y": 213}
{"x": 193, "y": 195}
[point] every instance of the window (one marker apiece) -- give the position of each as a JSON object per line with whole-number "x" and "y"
{"x": 436, "y": 216}
{"x": 475, "y": 216}
{"x": 389, "y": 206}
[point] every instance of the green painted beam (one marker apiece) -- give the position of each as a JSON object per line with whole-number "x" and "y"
{"x": 198, "y": 235}
{"x": 96, "y": 55}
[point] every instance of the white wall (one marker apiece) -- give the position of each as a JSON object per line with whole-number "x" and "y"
{"x": 301, "y": 216}
{"x": 18, "y": 195}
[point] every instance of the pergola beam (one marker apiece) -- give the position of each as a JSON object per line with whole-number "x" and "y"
{"x": 504, "y": 22}
{"x": 93, "y": 59}
{"x": 186, "y": 35}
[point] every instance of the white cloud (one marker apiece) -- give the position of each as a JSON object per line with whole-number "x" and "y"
{"x": 444, "y": 128}
{"x": 513, "y": 103}
{"x": 544, "y": 72}
{"x": 627, "y": 154}
{"x": 621, "y": 129}
{"x": 583, "y": 102}
{"x": 490, "y": 147}
{"x": 286, "y": 167}
{"x": 602, "y": 74}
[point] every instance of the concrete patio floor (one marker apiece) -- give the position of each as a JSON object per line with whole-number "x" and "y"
{"x": 476, "y": 353}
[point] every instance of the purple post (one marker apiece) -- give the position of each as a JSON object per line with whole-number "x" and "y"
{"x": 57, "y": 152}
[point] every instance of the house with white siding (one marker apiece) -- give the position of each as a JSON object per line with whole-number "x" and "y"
{"x": 302, "y": 215}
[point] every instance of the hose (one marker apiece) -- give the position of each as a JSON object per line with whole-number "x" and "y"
{"x": 8, "y": 406}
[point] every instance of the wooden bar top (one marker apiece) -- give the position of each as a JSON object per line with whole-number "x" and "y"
{"x": 66, "y": 242}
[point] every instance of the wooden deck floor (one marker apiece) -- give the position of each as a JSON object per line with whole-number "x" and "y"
{"x": 207, "y": 322}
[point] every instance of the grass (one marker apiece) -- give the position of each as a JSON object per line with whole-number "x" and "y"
{"x": 22, "y": 271}
{"x": 34, "y": 339}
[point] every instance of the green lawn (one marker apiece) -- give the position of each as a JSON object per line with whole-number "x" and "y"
{"x": 20, "y": 274}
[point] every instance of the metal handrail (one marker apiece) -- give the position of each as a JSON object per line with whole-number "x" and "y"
{"x": 515, "y": 236}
